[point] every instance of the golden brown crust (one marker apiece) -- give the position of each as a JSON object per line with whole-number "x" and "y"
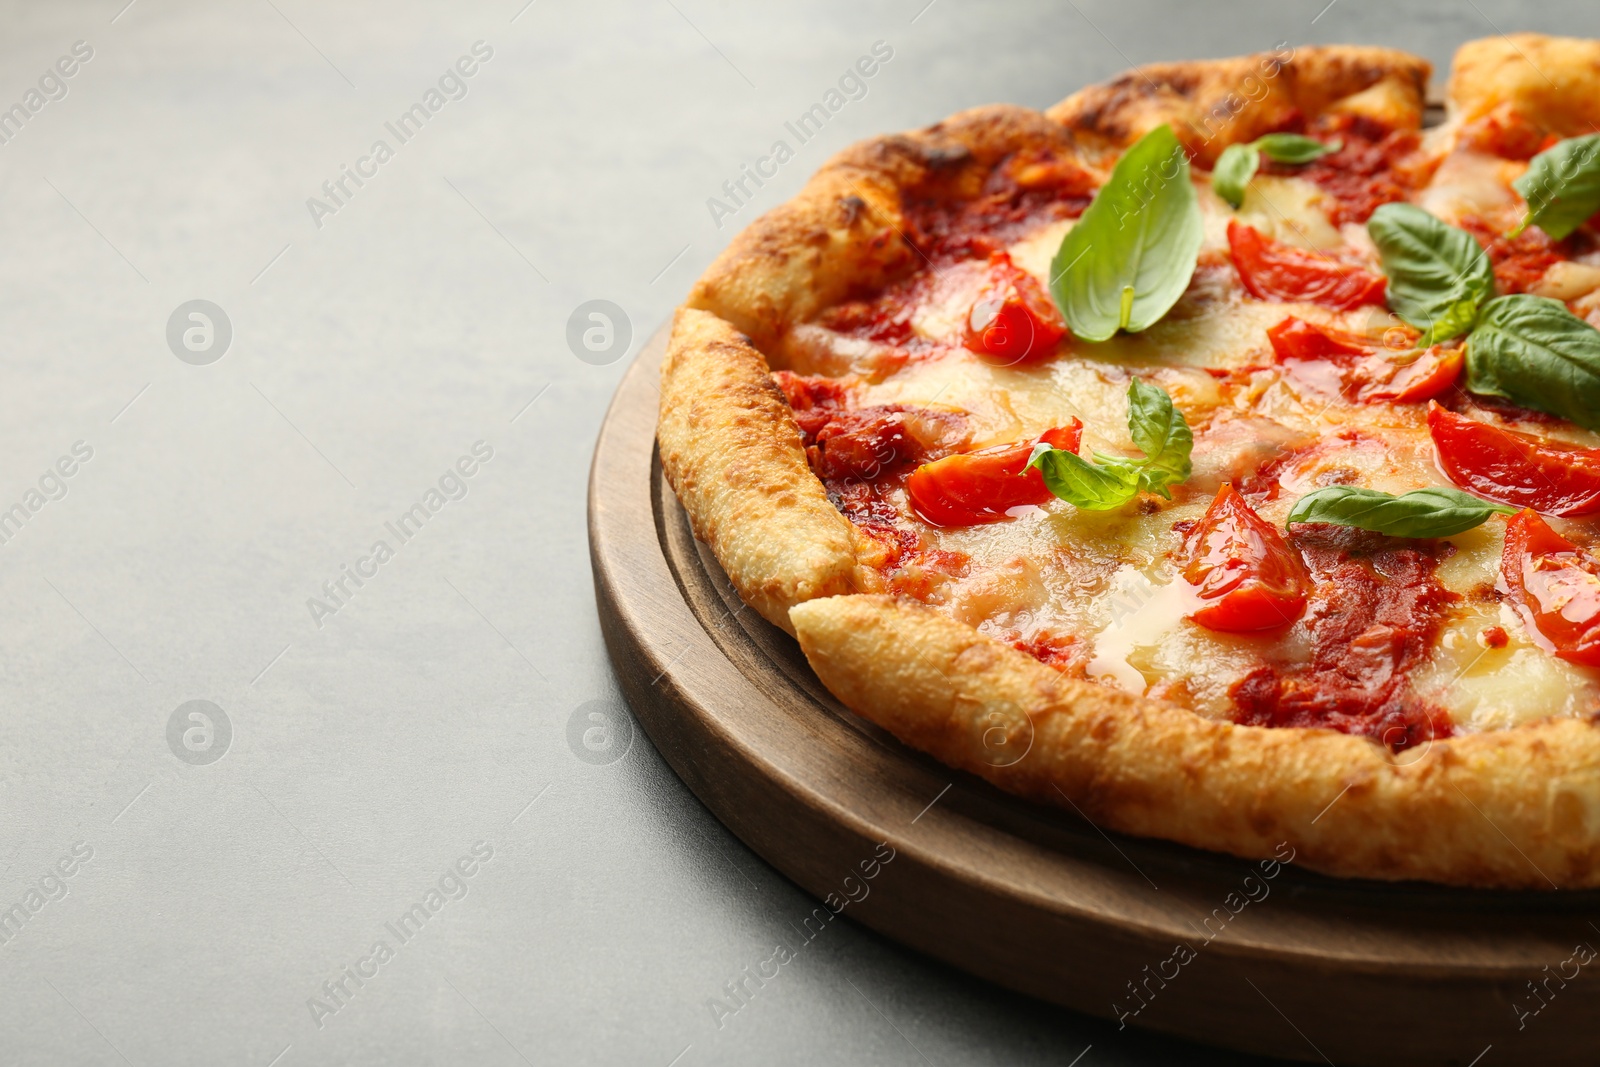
{"x": 732, "y": 453}
{"x": 1553, "y": 82}
{"x": 1213, "y": 103}
{"x": 845, "y": 231}
{"x": 1515, "y": 808}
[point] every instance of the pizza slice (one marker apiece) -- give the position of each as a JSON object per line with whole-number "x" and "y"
{"x": 1214, "y": 454}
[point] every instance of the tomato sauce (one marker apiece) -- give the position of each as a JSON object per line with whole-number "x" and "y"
{"x": 886, "y": 320}
{"x": 1369, "y": 169}
{"x": 844, "y": 442}
{"x": 1029, "y": 188}
{"x": 860, "y": 454}
{"x": 1520, "y": 261}
{"x": 1065, "y": 652}
{"x": 1266, "y": 483}
{"x": 813, "y": 400}
{"x": 1375, "y": 613}
{"x": 1507, "y": 134}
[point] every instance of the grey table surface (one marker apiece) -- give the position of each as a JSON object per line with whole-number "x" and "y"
{"x": 186, "y": 489}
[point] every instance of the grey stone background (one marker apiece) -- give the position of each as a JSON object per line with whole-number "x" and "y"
{"x": 431, "y": 713}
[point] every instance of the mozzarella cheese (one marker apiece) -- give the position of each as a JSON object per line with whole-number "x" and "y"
{"x": 1109, "y": 577}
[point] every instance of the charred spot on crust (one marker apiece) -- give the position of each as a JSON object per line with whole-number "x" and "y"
{"x": 944, "y": 157}
{"x": 852, "y": 207}
{"x": 1183, "y": 82}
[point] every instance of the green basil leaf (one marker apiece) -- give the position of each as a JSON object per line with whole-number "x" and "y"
{"x": 1294, "y": 149}
{"x": 1234, "y": 169}
{"x": 1434, "y": 512}
{"x": 1452, "y": 322}
{"x": 1131, "y": 255}
{"x": 1562, "y": 186}
{"x": 1438, "y": 275}
{"x": 1534, "y": 352}
{"x": 1238, "y": 162}
{"x": 1091, "y": 486}
{"x": 1158, "y": 429}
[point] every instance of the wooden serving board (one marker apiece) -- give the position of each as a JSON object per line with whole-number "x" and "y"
{"x": 1276, "y": 961}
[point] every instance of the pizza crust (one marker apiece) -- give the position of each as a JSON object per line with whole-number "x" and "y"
{"x": 1517, "y": 807}
{"x": 1512, "y": 809}
{"x": 732, "y": 452}
{"x": 1550, "y": 81}
{"x": 1213, "y": 103}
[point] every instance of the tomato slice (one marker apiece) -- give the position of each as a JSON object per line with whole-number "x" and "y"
{"x": 1367, "y": 372}
{"x": 1013, "y": 320}
{"x": 1431, "y": 374}
{"x": 1516, "y": 468}
{"x": 1554, "y": 586}
{"x": 1271, "y": 270}
{"x": 1298, "y": 339}
{"x": 973, "y": 488}
{"x": 1243, "y": 569}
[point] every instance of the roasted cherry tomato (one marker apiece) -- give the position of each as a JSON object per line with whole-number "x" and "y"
{"x": 1243, "y": 569}
{"x": 1014, "y": 320}
{"x": 1272, "y": 270}
{"x": 1433, "y": 372}
{"x": 1516, "y": 468}
{"x": 973, "y": 488}
{"x": 1298, "y": 339}
{"x": 1554, "y": 586}
{"x": 1368, "y": 372}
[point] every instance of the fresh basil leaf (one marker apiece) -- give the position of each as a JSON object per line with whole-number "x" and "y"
{"x": 1238, "y": 162}
{"x": 1091, "y": 486}
{"x": 1433, "y": 512}
{"x": 1158, "y": 429}
{"x": 1131, "y": 255}
{"x": 1562, "y": 186}
{"x": 1438, "y": 275}
{"x": 1534, "y": 352}
{"x": 1452, "y": 321}
{"x": 1294, "y": 149}
{"x": 1234, "y": 169}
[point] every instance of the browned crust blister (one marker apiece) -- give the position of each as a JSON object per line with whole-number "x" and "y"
{"x": 1510, "y": 808}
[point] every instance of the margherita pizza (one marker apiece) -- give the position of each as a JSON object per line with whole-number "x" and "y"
{"x": 1214, "y": 453}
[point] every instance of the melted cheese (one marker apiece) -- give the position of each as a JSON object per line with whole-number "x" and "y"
{"x": 1469, "y": 182}
{"x": 1568, "y": 280}
{"x": 1141, "y": 619}
{"x": 1108, "y": 578}
{"x": 1285, "y": 209}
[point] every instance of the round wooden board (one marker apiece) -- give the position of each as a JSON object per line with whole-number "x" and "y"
{"x": 1201, "y": 945}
